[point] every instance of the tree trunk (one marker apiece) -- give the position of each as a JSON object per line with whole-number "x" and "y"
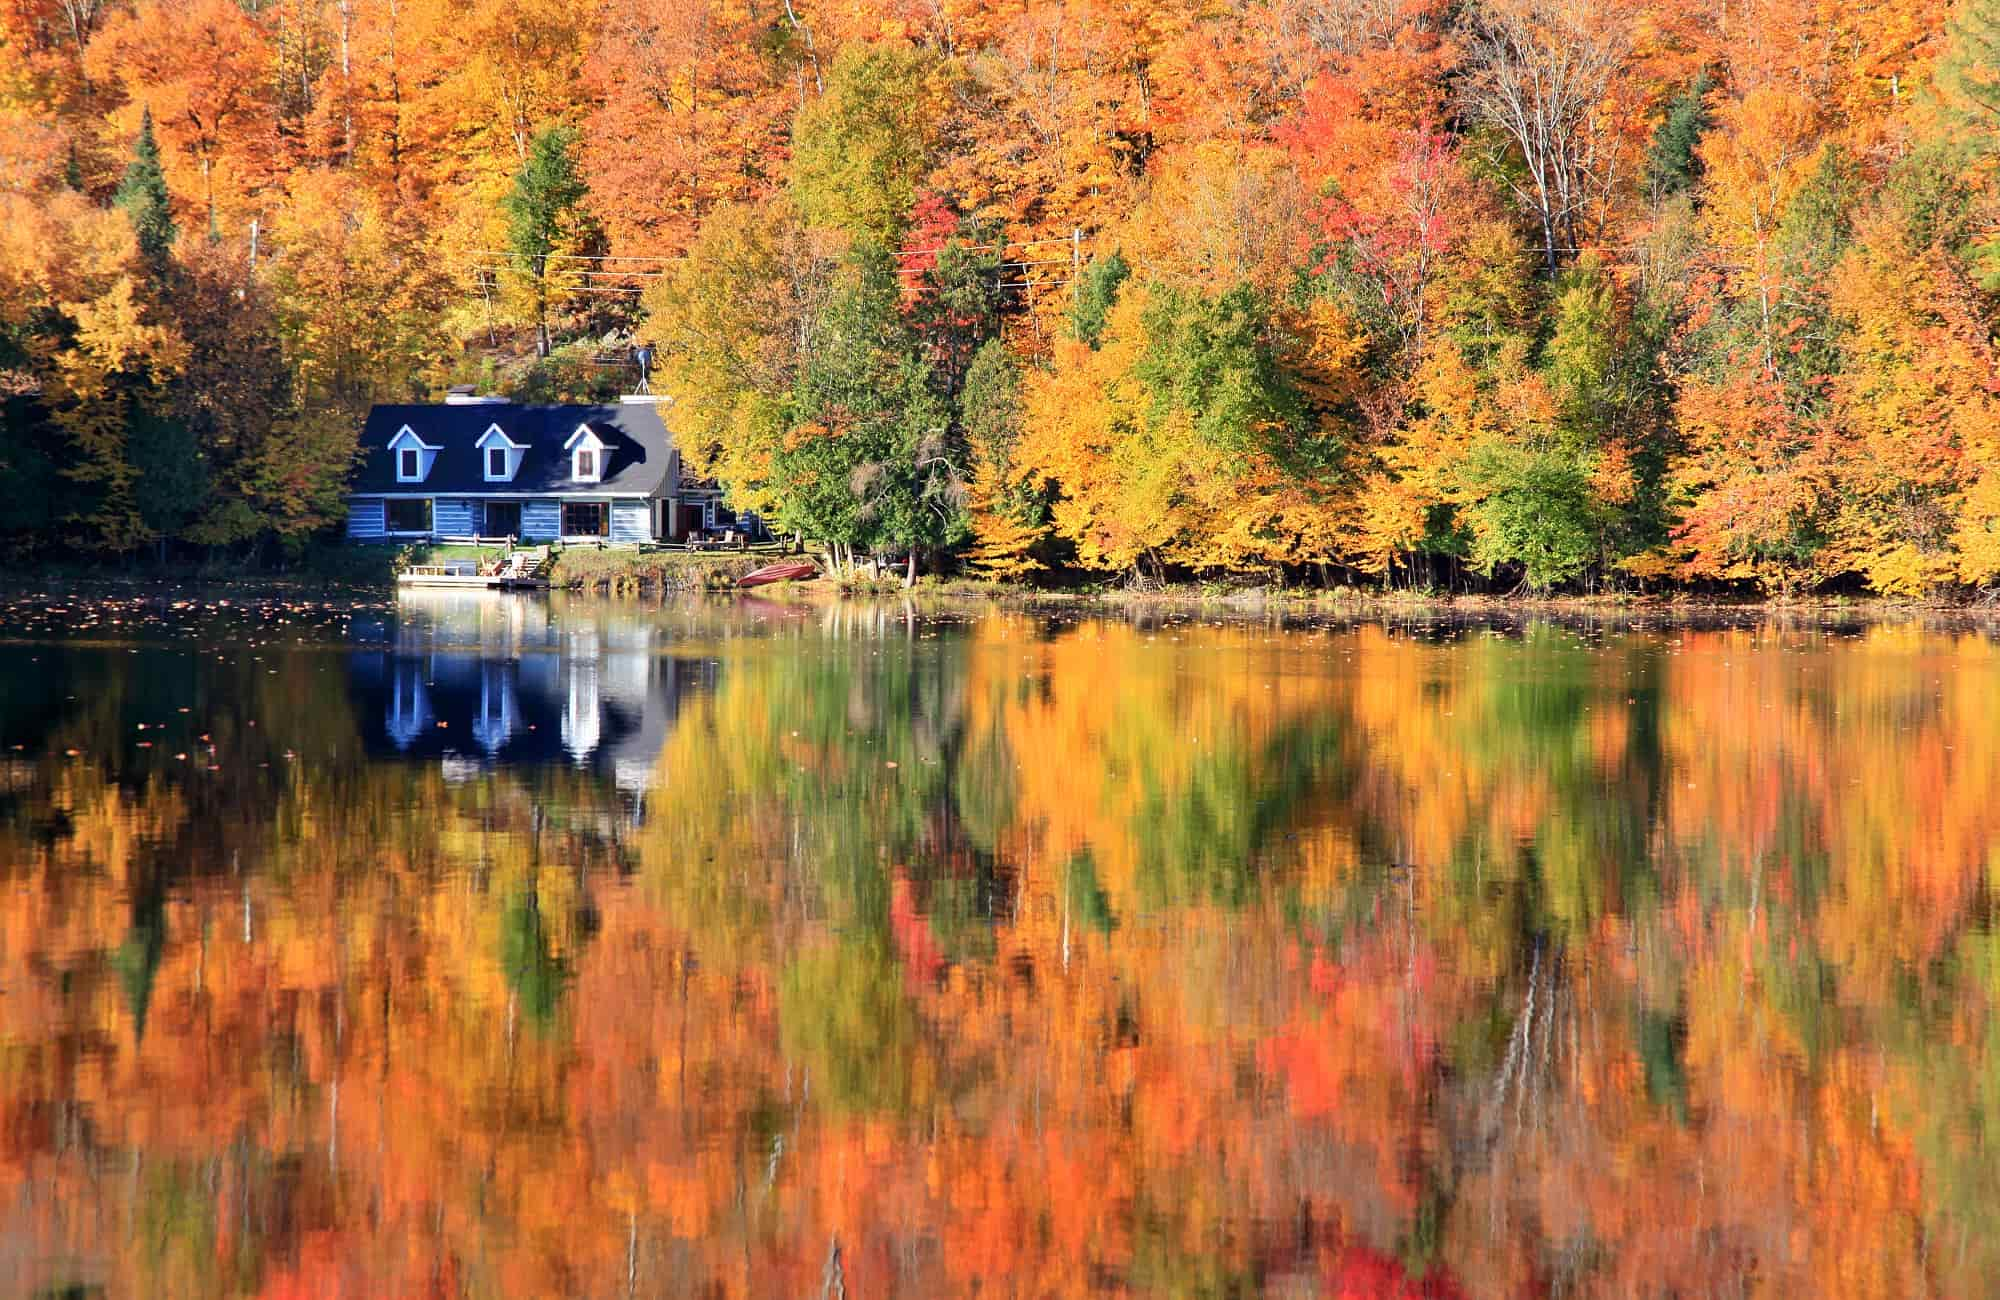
{"x": 910, "y": 571}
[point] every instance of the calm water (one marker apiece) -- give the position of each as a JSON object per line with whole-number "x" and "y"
{"x": 515, "y": 947}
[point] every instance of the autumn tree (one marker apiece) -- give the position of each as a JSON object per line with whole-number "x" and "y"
{"x": 356, "y": 294}
{"x": 203, "y": 73}
{"x": 1543, "y": 73}
{"x": 735, "y": 326}
{"x": 860, "y": 150}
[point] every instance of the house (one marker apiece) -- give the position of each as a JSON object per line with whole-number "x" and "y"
{"x": 487, "y": 467}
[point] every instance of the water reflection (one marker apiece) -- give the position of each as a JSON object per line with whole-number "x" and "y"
{"x": 470, "y": 681}
{"x": 537, "y": 947}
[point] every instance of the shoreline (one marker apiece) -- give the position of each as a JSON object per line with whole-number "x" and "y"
{"x": 673, "y": 575}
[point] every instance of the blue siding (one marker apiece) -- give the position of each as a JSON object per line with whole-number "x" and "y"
{"x": 452, "y": 517}
{"x": 631, "y": 521}
{"x": 540, "y": 520}
{"x": 364, "y": 519}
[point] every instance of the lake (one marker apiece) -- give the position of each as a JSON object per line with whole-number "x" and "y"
{"x": 523, "y": 946}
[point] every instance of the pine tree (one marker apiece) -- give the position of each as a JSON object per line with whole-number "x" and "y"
{"x": 1094, "y": 296}
{"x": 1672, "y": 165}
{"x": 546, "y": 217}
{"x": 1968, "y": 72}
{"x": 142, "y": 195}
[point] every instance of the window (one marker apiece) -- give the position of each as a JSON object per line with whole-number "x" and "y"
{"x": 503, "y": 519}
{"x": 413, "y": 455}
{"x": 586, "y": 464}
{"x": 585, "y": 519}
{"x": 408, "y": 516}
{"x": 501, "y": 454}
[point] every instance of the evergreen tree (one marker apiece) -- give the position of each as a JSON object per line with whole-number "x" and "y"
{"x": 142, "y": 195}
{"x": 170, "y": 477}
{"x": 871, "y": 461}
{"x": 1095, "y": 294}
{"x": 546, "y": 217}
{"x": 1672, "y": 165}
{"x": 959, "y": 309}
{"x": 990, "y": 403}
{"x": 1968, "y": 73}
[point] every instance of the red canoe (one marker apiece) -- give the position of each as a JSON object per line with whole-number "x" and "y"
{"x": 784, "y": 571}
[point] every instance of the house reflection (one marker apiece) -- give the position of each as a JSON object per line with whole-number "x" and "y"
{"x": 474, "y": 681}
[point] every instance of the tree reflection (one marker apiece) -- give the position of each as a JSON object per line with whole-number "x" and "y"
{"x": 1046, "y": 957}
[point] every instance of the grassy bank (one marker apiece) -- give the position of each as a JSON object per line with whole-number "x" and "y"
{"x": 620, "y": 572}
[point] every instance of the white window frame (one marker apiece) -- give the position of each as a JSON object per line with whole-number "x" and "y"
{"x": 495, "y": 439}
{"x": 591, "y": 445}
{"x": 406, "y": 440}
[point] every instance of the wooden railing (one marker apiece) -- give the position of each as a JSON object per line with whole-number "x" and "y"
{"x": 451, "y": 569}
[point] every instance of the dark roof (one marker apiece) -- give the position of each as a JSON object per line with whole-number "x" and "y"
{"x": 636, "y": 460}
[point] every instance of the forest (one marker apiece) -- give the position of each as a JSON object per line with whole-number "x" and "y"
{"x": 1522, "y": 294}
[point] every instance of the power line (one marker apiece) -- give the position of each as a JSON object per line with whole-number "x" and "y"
{"x": 511, "y": 256}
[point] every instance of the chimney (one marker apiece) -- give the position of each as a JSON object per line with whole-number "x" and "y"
{"x": 469, "y": 395}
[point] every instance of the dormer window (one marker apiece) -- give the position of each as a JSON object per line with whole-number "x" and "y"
{"x": 586, "y": 455}
{"x": 502, "y": 454}
{"x": 413, "y": 455}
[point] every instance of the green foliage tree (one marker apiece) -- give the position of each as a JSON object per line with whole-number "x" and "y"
{"x": 170, "y": 481}
{"x": 1095, "y": 294}
{"x": 990, "y": 404}
{"x": 1212, "y": 359}
{"x": 1967, "y": 82}
{"x": 870, "y": 459}
{"x": 547, "y": 219}
{"x": 142, "y": 196}
{"x": 1534, "y": 509}
{"x": 859, "y": 151}
{"x": 1672, "y": 164}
